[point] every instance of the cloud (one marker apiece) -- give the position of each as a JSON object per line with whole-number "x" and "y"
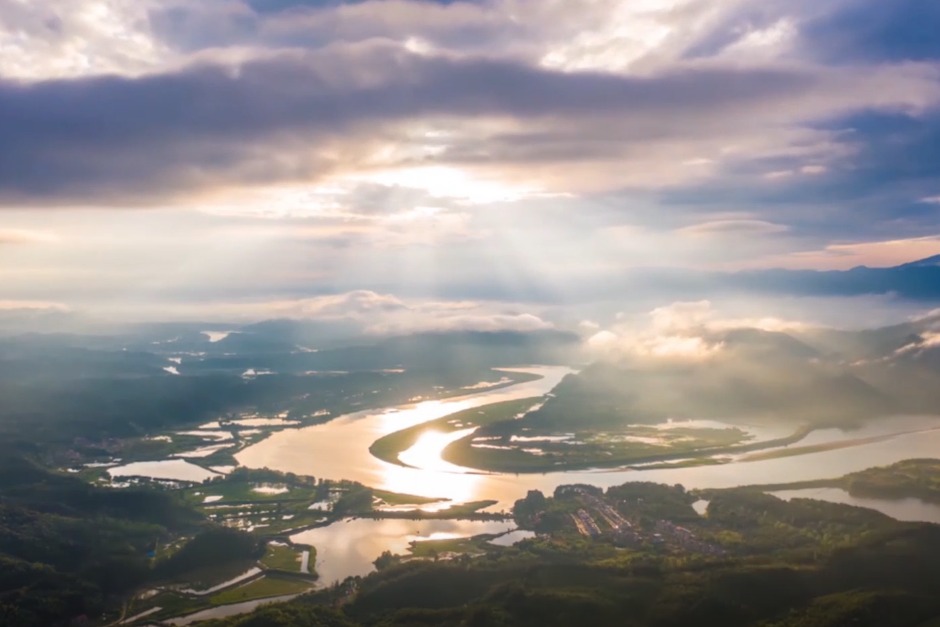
{"x": 844, "y": 256}
{"x": 927, "y": 341}
{"x": 523, "y": 323}
{"x": 876, "y": 31}
{"x": 681, "y": 331}
{"x": 350, "y": 305}
{"x": 292, "y": 116}
{"x": 515, "y": 151}
{"x": 386, "y": 314}
{"x": 734, "y": 227}
{"x": 25, "y": 236}
{"x": 62, "y": 38}
{"x": 672, "y": 333}
{"x": 31, "y": 306}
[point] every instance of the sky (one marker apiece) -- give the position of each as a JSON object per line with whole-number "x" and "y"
{"x": 484, "y": 164}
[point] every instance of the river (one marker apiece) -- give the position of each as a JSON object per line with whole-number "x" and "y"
{"x": 340, "y": 450}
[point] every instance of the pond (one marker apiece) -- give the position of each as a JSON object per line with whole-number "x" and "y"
{"x": 170, "y": 470}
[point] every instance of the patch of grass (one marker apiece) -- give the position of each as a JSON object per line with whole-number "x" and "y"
{"x": 430, "y": 549}
{"x": 267, "y": 586}
{"x": 171, "y": 604}
{"x": 213, "y": 574}
{"x": 281, "y": 557}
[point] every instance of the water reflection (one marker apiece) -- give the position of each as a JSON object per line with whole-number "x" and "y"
{"x": 402, "y": 418}
{"x": 349, "y": 547}
{"x": 426, "y": 452}
{"x": 170, "y": 470}
{"x": 458, "y": 487}
{"x": 340, "y": 450}
{"x": 909, "y": 509}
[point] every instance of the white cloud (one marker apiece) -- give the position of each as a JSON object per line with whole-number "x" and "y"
{"x": 672, "y": 332}
{"x": 843, "y": 256}
{"x": 68, "y": 38}
{"x": 444, "y": 321}
{"x": 356, "y": 305}
{"x": 734, "y": 228}
{"x": 386, "y": 314}
{"x": 26, "y": 236}
{"x": 34, "y": 305}
{"x": 681, "y": 331}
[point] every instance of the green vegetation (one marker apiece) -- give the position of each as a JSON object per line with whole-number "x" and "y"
{"x": 915, "y": 478}
{"x": 912, "y": 478}
{"x": 388, "y": 447}
{"x": 288, "y": 615}
{"x": 244, "y": 485}
{"x": 519, "y": 446}
{"x": 653, "y": 562}
{"x": 67, "y": 549}
{"x": 216, "y": 546}
{"x": 435, "y": 549}
{"x": 634, "y": 555}
{"x": 71, "y": 399}
{"x": 267, "y": 586}
{"x": 281, "y": 557}
{"x": 508, "y": 439}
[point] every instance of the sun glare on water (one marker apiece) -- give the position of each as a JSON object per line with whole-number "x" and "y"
{"x": 426, "y": 452}
{"x": 428, "y": 474}
{"x": 425, "y": 411}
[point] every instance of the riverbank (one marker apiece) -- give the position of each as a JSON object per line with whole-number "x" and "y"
{"x": 911, "y": 478}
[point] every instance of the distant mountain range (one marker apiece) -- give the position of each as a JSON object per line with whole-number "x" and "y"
{"x": 918, "y": 280}
{"x": 818, "y": 377}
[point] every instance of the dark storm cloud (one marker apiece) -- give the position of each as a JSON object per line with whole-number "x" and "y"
{"x": 896, "y": 30}
{"x": 836, "y": 31}
{"x": 263, "y": 120}
{"x": 276, "y": 6}
{"x": 312, "y": 24}
{"x": 891, "y": 164}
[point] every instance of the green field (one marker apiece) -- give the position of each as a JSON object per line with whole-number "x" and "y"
{"x": 280, "y": 557}
{"x": 504, "y": 452}
{"x": 267, "y": 586}
{"x": 434, "y": 548}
